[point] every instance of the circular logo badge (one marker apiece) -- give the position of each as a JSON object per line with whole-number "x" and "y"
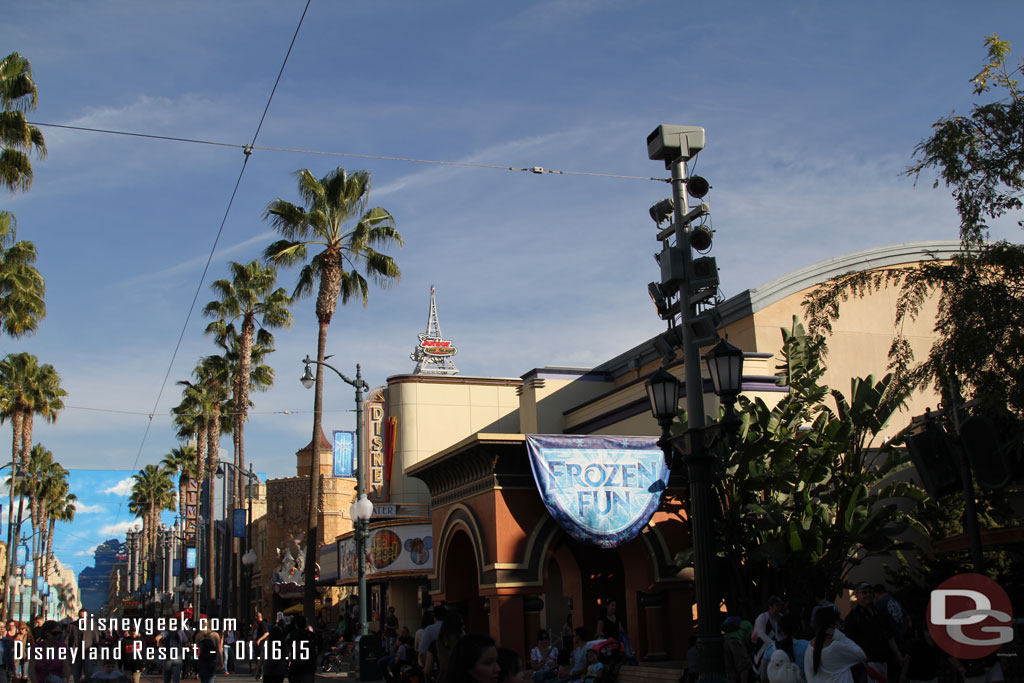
{"x": 969, "y": 616}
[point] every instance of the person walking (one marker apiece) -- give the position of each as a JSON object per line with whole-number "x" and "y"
{"x": 176, "y": 642}
{"x": 301, "y": 647}
{"x": 21, "y": 663}
{"x": 210, "y": 654}
{"x": 274, "y": 666}
{"x": 131, "y": 655}
{"x": 260, "y": 633}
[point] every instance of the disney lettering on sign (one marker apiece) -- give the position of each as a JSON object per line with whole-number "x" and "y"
{"x": 602, "y": 490}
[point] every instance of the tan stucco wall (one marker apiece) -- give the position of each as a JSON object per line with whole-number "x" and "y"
{"x": 435, "y": 412}
{"x": 859, "y": 343}
{"x": 544, "y": 399}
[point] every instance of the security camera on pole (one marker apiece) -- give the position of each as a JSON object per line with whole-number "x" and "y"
{"x": 688, "y": 284}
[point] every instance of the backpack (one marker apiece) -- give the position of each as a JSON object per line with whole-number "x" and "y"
{"x": 207, "y": 649}
{"x": 782, "y": 670}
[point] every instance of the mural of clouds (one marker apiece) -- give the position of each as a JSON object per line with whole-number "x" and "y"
{"x": 121, "y": 488}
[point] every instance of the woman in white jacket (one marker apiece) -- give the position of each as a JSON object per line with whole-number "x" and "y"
{"x": 831, "y": 654}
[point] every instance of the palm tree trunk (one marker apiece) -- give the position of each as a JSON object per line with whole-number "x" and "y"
{"x": 212, "y": 447}
{"x": 49, "y": 545}
{"x": 16, "y": 428}
{"x": 242, "y": 407}
{"x": 26, "y": 439}
{"x": 312, "y": 515}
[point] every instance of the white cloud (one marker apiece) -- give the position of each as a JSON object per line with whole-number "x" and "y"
{"x": 85, "y": 509}
{"x": 121, "y": 488}
{"x": 118, "y": 529}
{"x": 88, "y": 552}
{"x": 160, "y": 276}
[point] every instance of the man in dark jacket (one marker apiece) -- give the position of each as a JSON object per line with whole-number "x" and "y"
{"x": 869, "y": 628}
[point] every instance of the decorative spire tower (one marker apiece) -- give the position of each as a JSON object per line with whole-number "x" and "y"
{"x": 433, "y": 355}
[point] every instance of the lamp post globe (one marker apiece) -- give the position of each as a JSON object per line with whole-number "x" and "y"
{"x": 725, "y": 365}
{"x": 362, "y": 509}
{"x": 663, "y": 395}
{"x": 308, "y": 379}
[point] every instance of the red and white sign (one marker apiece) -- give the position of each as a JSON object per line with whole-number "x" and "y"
{"x": 433, "y": 346}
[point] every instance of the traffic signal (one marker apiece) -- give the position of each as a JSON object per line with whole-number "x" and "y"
{"x": 936, "y": 464}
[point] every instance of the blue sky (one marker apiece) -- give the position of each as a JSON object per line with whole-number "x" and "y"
{"x": 812, "y": 111}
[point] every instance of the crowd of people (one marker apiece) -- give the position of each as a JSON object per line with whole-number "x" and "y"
{"x": 878, "y": 641}
{"x": 440, "y": 651}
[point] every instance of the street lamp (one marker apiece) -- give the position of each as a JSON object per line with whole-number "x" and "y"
{"x": 663, "y": 395}
{"x": 360, "y": 513}
{"x": 308, "y": 380}
{"x": 725, "y": 365}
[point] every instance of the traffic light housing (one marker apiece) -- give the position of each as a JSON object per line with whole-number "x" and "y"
{"x": 932, "y": 453}
{"x": 991, "y": 459}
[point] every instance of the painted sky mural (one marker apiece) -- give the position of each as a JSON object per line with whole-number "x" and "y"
{"x": 101, "y": 514}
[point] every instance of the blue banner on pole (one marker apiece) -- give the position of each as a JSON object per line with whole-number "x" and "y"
{"x": 190, "y": 558}
{"x": 22, "y": 555}
{"x": 176, "y": 567}
{"x": 602, "y": 490}
{"x": 344, "y": 453}
{"x": 238, "y": 527}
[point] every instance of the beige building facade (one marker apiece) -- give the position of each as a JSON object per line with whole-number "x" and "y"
{"x": 457, "y": 467}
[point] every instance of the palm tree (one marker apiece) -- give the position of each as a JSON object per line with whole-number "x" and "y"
{"x": 199, "y": 413}
{"x": 62, "y": 509}
{"x": 182, "y": 461}
{"x": 152, "y": 493}
{"x": 18, "y": 94}
{"x": 57, "y": 505}
{"x": 251, "y": 298}
{"x": 332, "y": 203}
{"x": 26, "y": 388}
{"x": 21, "y": 286}
{"x": 41, "y": 472}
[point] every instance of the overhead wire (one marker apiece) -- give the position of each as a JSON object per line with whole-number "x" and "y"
{"x": 222, "y": 414}
{"x": 538, "y": 170}
{"x": 202, "y": 278}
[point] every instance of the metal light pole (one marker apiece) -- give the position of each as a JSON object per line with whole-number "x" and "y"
{"x": 360, "y": 512}
{"x": 359, "y": 384}
{"x": 675, "y": 145}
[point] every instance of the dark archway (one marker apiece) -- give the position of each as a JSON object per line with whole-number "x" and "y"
{"x": 601, "y": 576}
{"x": 462, "y": 584}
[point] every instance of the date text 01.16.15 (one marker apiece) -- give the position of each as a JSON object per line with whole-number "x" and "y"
{"x": 272, "y": 649}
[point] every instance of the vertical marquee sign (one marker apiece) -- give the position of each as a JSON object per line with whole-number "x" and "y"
{"x": 190, "y": 489}
{"x": 378, "y": 447}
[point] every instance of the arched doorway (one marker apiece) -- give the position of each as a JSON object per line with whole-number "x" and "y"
{"x": 587, "y": 578}
{"x": 462, "y": 584}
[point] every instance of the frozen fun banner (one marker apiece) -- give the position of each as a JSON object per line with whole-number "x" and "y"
{"x": 601, "y": 489}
